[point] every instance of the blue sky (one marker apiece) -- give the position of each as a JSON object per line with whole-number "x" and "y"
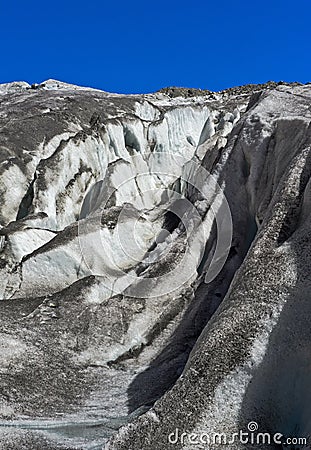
{"x": 141, "y": 46}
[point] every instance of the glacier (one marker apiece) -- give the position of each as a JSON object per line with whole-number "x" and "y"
{"x": 154, "y": 262}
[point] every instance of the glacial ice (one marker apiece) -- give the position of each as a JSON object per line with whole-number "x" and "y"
{"x": 154, "y": 264}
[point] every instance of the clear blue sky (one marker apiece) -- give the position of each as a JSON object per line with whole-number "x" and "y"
{"x": 140, "y": 46}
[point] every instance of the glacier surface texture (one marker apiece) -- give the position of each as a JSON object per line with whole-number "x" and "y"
{"x": 155, "y": 261}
